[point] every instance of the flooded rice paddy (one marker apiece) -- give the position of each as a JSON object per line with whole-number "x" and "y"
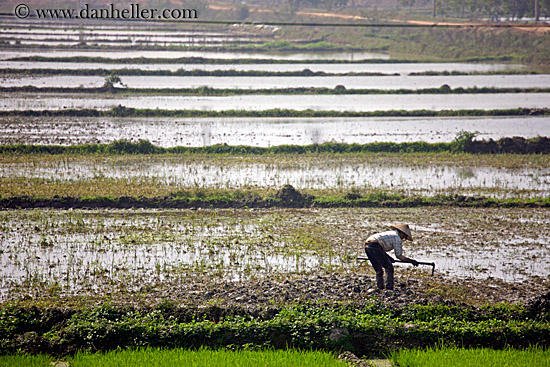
{"x": 105, "y": 37}
{"x": 327, "y": 172}
{"x": 80, "y": 251}
{"x": 262, "y": 132}
{"x": 357, "y": 103}
{"x": 258, "y": 82}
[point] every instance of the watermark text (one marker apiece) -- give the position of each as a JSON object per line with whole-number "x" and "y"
{"x": 131, "y": 11}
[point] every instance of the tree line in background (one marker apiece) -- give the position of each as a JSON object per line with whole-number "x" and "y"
{"x": 492, "y": 9}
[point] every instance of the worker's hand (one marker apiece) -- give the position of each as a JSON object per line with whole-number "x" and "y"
{"x": 414, "y": 262}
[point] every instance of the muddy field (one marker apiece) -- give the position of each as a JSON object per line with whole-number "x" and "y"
{"x": 496, "y": 254}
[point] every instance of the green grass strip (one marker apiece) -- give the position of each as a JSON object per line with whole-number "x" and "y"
{"x": 203, "y": 357}
{"x": 122, "y": 111}
{"x": 209, "y": 91}
{"x": 475, "y": 73}
{"x": 246, "y": 73}
{"x": 26, "y": 360}
{"x": 445, "y": 357}
{"x": 180, "y": 72}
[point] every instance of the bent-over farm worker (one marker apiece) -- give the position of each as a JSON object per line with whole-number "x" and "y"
{"x": 378, "y": 244}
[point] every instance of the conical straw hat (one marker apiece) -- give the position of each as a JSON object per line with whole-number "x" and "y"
{"x": 403, "y": 228}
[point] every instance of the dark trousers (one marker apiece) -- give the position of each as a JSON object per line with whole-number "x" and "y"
{"x": 380, "y": 261}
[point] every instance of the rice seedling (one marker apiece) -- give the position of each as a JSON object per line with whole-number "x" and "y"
{"x": 206, "y": 357}
{"x": 26, "y": 360}
{"x": 443, "y": 357}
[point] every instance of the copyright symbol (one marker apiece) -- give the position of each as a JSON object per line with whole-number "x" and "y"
{"x": 22, "y": 11}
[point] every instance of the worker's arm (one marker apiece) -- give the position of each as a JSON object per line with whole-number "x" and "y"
{"x": 407, "y": 260}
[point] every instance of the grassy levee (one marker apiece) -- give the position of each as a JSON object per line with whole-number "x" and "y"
{"x": 286, "y": 197}
{"x": 463, "y": 143}
{"x": 371, "y": 329}
{"x": 206, "y": 60}
{"x": 210, "y": 91}
{"x": 465, "y": 73}
{"x": 122, "y": 111}
{"x": 246, "y": 73}
{"x": 180, "y": 72}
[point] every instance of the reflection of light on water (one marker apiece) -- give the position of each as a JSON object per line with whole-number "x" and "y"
{"x": 508, "y": 264}
{"x": 206, "y": 133}
{"x": 315, "y": 135}
{"x": 169, "y": 132}
{"x": 355, "y": 102}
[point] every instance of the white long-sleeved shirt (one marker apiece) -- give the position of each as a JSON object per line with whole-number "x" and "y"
{"x": 389, "y": 240}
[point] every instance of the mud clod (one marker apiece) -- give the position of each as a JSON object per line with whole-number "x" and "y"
{"x": 353, "y": 360}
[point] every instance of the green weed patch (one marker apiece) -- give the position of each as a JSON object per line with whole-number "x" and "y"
{"x": 122, "y": 111}
{"x": 372, "y": 329}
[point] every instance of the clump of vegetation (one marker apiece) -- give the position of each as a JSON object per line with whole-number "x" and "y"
{"x": 112, "y": 80}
